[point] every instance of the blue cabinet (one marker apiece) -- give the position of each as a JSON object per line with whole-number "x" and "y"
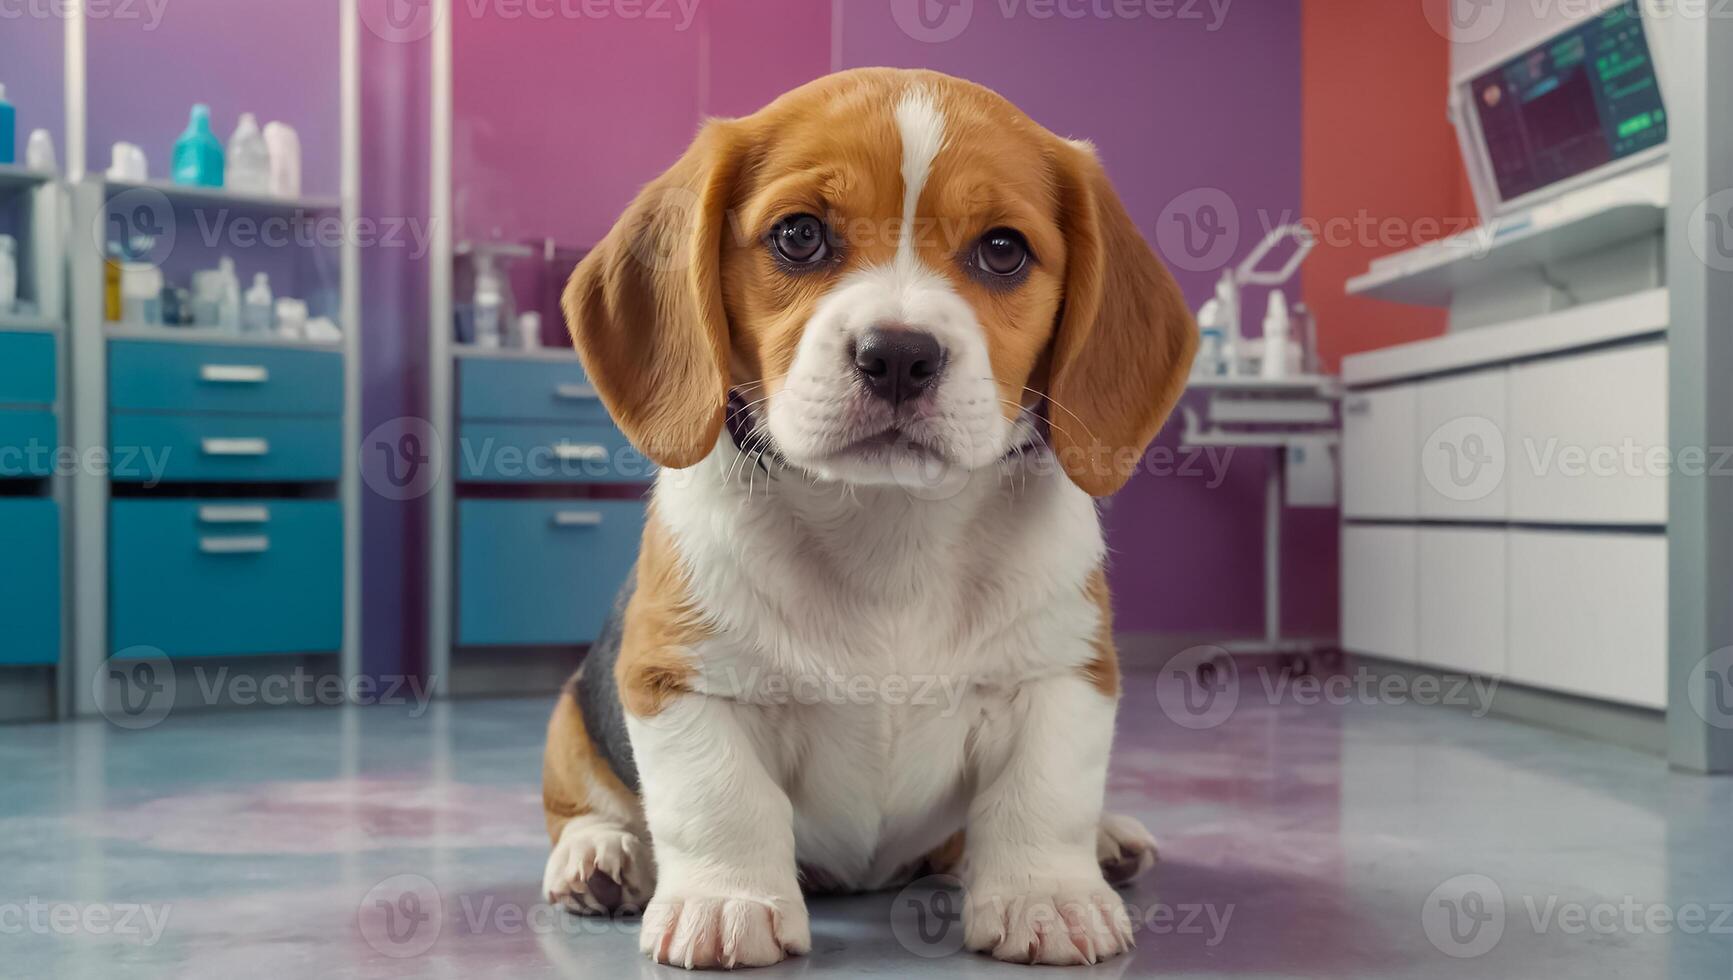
{"x": 154, "y": 449}
{"x": 27, "y": 444}
{"x": 207, "y": 578}
{"x": 503, "y": 389}
{"x": 531, "y": 452}
{"x": 541, "y": 572}
{"x": 27, "y": 368}
{"x": 29, "y": 581}
{"x": 161, "y": 376}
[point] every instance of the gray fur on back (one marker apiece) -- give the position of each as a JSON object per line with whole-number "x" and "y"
{"x": 598, "y": 694}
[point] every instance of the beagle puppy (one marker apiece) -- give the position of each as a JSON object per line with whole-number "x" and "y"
{"x": 886, "y": 339}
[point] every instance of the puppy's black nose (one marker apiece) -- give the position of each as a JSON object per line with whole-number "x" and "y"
{"x": 897, "y": 364}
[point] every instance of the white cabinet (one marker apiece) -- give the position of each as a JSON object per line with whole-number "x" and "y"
{"x": 1378, "y": 590}
{"x": 1462, "y": 595}
{"x": 1589, "y": 438}
{"x": 1461, "y": 425}
{"x": 1588, "y": 613}
{"x": 1379, "y": 453}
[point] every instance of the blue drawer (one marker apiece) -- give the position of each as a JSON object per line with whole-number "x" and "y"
{"x": 27, "y": 369}
{"x": 541, "y": 572}
{"x": 210, "y": 578}
{"x": 505, "y": 390}
{"x": 577, "y": 452}
{"x": 27, "y": 444}
{"x": 224, "y": 449}
{"x": 29, "y": 581}
{"x": 162, "y": 376}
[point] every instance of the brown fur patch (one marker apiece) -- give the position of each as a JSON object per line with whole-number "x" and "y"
{"x": 1102, "y": 670}
{"x": 573, "y": 771}
{"x": 655, "y": 664}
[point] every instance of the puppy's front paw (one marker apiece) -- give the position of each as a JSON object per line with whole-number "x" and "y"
{"x": 1056, "y": 922}
{"x": 1124, "y": 848}
{"x": 707, "y": 932}
{"x": 598, "y": 868}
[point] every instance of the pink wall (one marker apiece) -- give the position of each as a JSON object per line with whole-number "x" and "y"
{"x": 559, "y": 123}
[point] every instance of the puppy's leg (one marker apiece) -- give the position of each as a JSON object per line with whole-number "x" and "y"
{"x": 601, "y": 861}
{"x": 728, "y": 895}
{"x": 1034, "y": 890}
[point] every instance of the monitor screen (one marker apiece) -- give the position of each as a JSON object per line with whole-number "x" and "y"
{"x": 1585, "y": 98}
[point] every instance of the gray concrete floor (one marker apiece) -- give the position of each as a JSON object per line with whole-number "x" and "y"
{"x": 1301, "y": 837}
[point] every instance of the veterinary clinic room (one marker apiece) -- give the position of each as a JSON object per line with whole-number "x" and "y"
{"x": 918, "y": 488}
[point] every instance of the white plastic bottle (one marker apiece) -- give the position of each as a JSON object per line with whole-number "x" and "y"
{"x": 489, "y": 301}
{"x": 1278, "y": 340}
{"x": 8, "y": 274}
{"x": 247, "y": 168}
{"x": 259, "y": 314}
{"x": 284, "y": 146}
{"x": 229, "y": 298}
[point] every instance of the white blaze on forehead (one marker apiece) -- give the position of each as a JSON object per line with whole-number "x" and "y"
{"x": 922, "y": 128}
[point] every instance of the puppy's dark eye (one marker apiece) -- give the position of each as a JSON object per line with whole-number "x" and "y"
{"x": 800, "y": 239}
{"x": 1001, "y": 252}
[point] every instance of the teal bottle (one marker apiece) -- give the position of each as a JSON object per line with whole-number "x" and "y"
{"x": 8, "y": 130}
{"x": 198, "y": 160}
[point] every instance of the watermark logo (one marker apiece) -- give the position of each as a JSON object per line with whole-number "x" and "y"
{"x": 135, "y": 689}
{"x": 141, "y": 220}
{"x": 1710, "y": 231}
{"x": 1710, "y": 688}
{"x": 400, "y": 21}
{"x": 402, "y": 916}
{"x": 1199, "y": 230}
{"x": 1464, "y": 21}
{"x": 932, "y": 21}
{"x": 402, "y": 459}
{"x": 1198, "y": 688}
{"x": 927, "y": 917}
{"x": 1464, "y": 917}
{"x": 1464, "y": 459}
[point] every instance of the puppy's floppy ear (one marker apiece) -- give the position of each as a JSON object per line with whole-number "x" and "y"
{"x": 1125, "y": 340}
{"x": 645, "y": 307}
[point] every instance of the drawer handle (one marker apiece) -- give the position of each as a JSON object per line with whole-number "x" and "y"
{"x": 236, "y": 447}
{"x": 580, "y": 452}
{"x": 234, "y": 515}
{"x": 576, "y": 393}
{"x": 578, "y": 518}
{"x": 235, "y": 546}
{"x": 234, "y": 374}
{"x": 1358, "y": 406}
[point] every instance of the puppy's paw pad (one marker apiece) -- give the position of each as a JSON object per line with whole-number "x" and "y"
{"x": 1054, "y": 924}
{"x": 716, "y": 932}
{"x": 598, "y": 869}
{"x": 1124, "y": 848}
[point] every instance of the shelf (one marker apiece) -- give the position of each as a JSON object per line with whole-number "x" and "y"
{"x": 34, "y": 323}
{"x": 1311, "y": 383}
{"x": 558, "y": 355}
{"x": 214, "y": 335}
{"x": 1612, "y": 321}
{"x": 15, "y": 177}
{"x": 219, "y": 197}
{"x": 1617, "y": 210}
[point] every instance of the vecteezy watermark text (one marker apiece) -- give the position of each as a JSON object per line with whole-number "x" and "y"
{"x": 130, "y": 920}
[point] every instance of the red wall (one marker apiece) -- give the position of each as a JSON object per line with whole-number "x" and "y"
{"x": 1377, "y": 176}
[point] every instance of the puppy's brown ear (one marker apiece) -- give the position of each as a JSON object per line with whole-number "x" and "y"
{"x": 1125, "y": 340}
{"x": 645, "y": 307}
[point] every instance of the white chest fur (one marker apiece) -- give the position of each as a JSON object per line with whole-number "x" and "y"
{"x": 881, "y": 636}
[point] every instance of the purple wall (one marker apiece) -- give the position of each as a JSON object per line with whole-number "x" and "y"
{"x": 32, "y": 67}
{"x": 276, "y": 60}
